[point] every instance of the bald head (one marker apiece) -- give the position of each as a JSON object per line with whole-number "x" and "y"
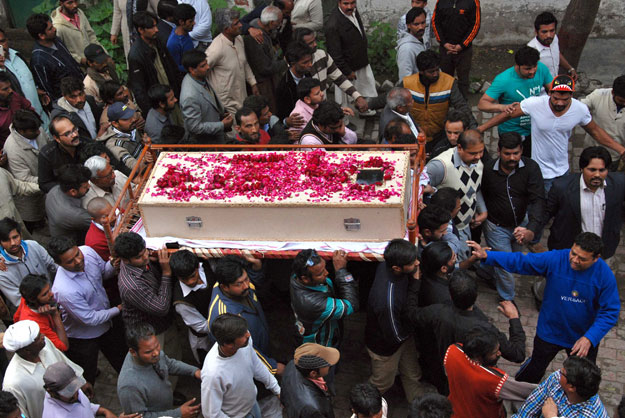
{"x": 469, "y": 138}
{"x": 98, "y": 209}
{"x": 470, "y": 146}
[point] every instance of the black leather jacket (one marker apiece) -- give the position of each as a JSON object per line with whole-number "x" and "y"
{"x": 319, "y": 309}
{"x": 302, "y": 398}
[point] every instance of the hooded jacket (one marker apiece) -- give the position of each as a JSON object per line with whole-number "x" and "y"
{"x": 408, "y": 48}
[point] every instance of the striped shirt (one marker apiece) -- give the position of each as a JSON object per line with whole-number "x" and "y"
{"x": 592, "y": 408}
{"x": 146, "y": 296}
{"x": 325, "y": 70}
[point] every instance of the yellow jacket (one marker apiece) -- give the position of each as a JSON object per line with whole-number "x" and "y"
{"x": 430, "y": 111}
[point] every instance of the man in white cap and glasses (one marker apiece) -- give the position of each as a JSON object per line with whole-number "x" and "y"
{"x": 34, "y": 353}
{"x": 64, "y": 397}
{"x": 304, "y": 389}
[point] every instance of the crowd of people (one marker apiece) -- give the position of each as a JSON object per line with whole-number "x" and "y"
{"x": 71, "y": 132}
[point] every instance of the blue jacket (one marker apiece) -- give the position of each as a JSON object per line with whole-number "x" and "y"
{"x": 255, "y": 317}
{"x": 576, "y": 303}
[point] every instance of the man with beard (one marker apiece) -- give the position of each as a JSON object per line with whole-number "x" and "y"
{"x": 526, "y": 79}
{"x": 412, "y": 43}
{"x": 434, "y": 93}
{"x": 163, "y": 104}
{"x": 553, "y": 119}
{"x": 10, "y": 102}
{"x": 547, "y": 44}
{"x": 73, "y": 28}
{"x": 581, "y": 300}
{"x": 65, "y": 215}
{"x": 512, "y": 187}
{"x": 389, "y": 339}
{"x": 298, "y": 55}
{"x": 122, "y": 137}
{"x": 477, "y": 387}
{"x": 63, "y": 150}
{"x": 248, "y": 128}
{"x": 83, "y": 110}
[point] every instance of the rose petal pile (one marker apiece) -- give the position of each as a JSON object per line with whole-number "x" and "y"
{"x": 270, "y": 177}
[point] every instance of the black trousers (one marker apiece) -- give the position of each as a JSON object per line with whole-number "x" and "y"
{"x": 534, "y": 368}
{"x": 460, "y": 64}
{"x": 112, "y": 344}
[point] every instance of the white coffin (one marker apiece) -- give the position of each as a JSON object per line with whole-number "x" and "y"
{"x": 299, "y": 215}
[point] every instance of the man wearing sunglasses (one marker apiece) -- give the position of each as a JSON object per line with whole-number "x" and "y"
{"x": 320, "y": 303}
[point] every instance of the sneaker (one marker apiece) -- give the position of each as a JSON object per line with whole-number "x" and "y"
{"x": 536, "y": 248}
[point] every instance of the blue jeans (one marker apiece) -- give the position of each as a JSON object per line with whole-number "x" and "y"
{"x": 255, "y": 412}
{"x": 500, "y": 238}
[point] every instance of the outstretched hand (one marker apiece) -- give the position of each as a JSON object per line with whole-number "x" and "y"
{"x": 477, "y": 250}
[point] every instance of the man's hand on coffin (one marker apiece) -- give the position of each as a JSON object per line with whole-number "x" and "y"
{"x": 255, "y": 262}
{"x": 163, "y": 260}
{"x": 339, "y": 260}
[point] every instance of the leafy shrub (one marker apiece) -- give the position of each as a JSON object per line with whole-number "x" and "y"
{"x": 382, "y": 52}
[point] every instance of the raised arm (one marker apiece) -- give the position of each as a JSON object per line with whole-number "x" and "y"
{"x": 602, "y": 137}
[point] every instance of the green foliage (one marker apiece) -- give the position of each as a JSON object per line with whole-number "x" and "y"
{"x": 382, "y": 52}
{"x": 100, "y": 16}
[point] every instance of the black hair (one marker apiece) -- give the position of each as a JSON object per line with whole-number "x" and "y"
{"x": 590, "y": 242}
{"x": 128, "y": 245}
{"x": 446, "y": 197}
{"x": 299, "y": 33}
{"x": 591, "y": 153}
{"x": 138, "y": 332}
{"x": 394, "y": 128}
{"x": 455, "y": 115}
{"x": 70, "y": 85}
{"x": 92, "y": 148}
{"x": 365, "y": 399}
{"x": 256, "y": 103}
{"x": 26, "y": 119}
{"x": 327, "y": 113}
{"x": 37, "y": 24}
{"x": 405, "y": 139}
{"x": 470, "y": 137}
{"x": 280, "y": 4}
{"x": 72, "y": 176}
{"x": 31, "y": 286}
{"x": 583, "y": 375}
{"x": 434, "y": 256}
{"x": 365, "y": 141}
{"x": 431, "y": 405}
{"x": 192, "y": 58}
{"x": 6, "y": 226}
{"x": 108, "y": 90}
{"x": 618, "y": 88}
{"x": 4, "y": 77}
{"x": 229, "y": 268}
{"x": 297, "y": 50}
{"x": 183, "y": 264}
{"x": 545, "y": 18}
{"x": 399, "y": 253}
{"x": 428, "y": 60}
{"x": 479, "y": 342}
{"x": 158, "y": 92}
{"x": 432, "y": 217}
{"x": 509, "y": 140}
{"x": 172, "y": 134}
{"x": 305, "y": 86}
{"x": 228, "y": 327}
{"x": 183, "y": 12}
{"x": 462, "y": 289}
{"x": 244, "y": 111}
{"x": 413, "y": 14}
{"x": 620, "y": 409}
{"x": 8, "y": 404}
{"x": 300, "y": 262}
{"x": 144, "y": 20}
{"x": 58, "y": 246}
{"x": 165, "y": 9}
{"x": 526, "y": 56}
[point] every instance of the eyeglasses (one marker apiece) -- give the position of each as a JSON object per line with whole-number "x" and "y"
{"x": 310, "y": 262}
{"x": 68, "y": 133}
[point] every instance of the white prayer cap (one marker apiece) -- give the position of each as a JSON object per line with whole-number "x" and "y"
{"x": 20, "y": 335}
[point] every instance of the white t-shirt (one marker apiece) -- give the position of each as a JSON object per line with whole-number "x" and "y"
{"x": 551, "y": 133}
{"x": 549, "y": 55}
